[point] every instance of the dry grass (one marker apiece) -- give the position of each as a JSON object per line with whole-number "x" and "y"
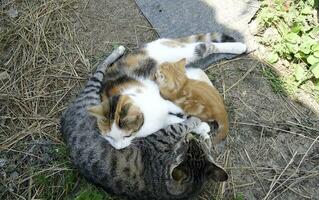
{"x": 42, "y": 63}
{"x": 271, "y": 152}
{"x": 272, "y": 149}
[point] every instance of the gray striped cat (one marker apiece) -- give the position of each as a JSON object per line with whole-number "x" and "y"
{"x": 164, "y": 165}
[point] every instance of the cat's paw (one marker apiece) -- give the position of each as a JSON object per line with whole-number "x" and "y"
{"x": 239, "y": 48}
{"x": 121, "y": 49}
{"x": 203, "y": 130}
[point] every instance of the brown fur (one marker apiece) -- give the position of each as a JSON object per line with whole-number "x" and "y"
{"x": 196, "y": 98}
{"x": 173, "y": 43}
{"x": 117, "y": 89}
{"x": 127, "y": 116}
{"x": 121, "y": 75}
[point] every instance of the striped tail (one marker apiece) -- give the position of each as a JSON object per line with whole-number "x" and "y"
{"x": 88, "y": 97}
{"x": 207, "y": 37}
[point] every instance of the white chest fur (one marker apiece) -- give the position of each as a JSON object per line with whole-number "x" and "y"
{"x": 155, "y": 109}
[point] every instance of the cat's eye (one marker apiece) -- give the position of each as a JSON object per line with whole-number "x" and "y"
{"x": 127, "y": 136}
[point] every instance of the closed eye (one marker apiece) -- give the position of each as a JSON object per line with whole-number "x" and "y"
{"x": 127, "y": 136}
{"x": 108, "y": 137}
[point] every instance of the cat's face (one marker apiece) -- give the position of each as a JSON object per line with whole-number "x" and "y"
{"x": 169, "y": 75}
{"x": 118, "y": 119}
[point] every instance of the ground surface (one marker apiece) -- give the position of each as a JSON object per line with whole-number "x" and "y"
{"x": 48, "y": 52}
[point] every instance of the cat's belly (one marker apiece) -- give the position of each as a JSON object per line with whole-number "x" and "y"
{"x": 197, "y": 74}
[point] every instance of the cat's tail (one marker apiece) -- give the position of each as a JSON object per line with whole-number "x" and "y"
{"x": 222, "y": 131}
{"x": 207, "y": 37}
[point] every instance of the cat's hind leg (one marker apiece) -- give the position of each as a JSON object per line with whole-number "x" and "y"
{"x": 173, "y": 50}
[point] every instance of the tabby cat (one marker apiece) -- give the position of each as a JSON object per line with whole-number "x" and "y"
{"x": 131, "y": 105}
{"x": 162, "y": 166}
{"x": 196, "y": 98}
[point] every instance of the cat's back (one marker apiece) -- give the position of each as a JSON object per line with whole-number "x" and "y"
{"x": 204, "y": 94}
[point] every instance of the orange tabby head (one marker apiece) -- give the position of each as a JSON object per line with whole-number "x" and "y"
{"x": 118, "y": 119}
{"x": 171, "y": 76}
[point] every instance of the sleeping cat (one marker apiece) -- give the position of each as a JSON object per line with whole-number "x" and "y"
{"x": 139, "y": 111}
{"x": 122, "y": 115}
{"x": 162, "y": 166}
{"x": 196, "y": 98}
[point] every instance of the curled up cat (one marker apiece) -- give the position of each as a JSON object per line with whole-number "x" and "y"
{"x": 196, "y": 98}
{"x": 162, "y": 166}
{"x": 137, "y": 112}
{"x": 131, "y": 104}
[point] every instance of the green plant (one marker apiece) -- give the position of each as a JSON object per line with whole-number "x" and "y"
{"x": 239, "y": 196}
{"x": 91, "y": 193}
{"x": 275, "y": 81}
{"x": 296, "y": 39}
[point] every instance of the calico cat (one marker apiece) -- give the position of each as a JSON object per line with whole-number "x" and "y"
{"x": 162, "y": 166}
{"x": 196, "y": 98}
{"x": 127, "y": 79}
{"x": 140, "y": 111}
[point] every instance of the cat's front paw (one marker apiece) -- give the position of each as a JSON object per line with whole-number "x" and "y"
{"x": 203, "y": 130}
{"x": 239, "y": 48}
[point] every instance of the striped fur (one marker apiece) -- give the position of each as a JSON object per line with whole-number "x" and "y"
{"x": 144, "y": 169}
{"x": 130, "y": 72}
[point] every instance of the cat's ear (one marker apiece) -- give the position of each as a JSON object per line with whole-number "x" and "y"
{"x": 181, "y": 64}
{"x": 99, "y": 111}
{"x": 178, "y": 174}
{"x": 131, "y": 118}
{"x": 216, "y": 173}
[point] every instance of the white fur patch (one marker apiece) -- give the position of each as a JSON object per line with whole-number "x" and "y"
{"x": 162, "y": 53}
{"x": 203, "y": 129}
{"x": 116, "y": 137}
{"x": 155, "y": 109}
{"x": 230, "y": 47}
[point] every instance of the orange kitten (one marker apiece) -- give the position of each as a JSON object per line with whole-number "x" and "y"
{"x": 195, "y": 97}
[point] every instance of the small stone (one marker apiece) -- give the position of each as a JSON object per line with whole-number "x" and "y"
{"x": 13, "y": 13}
{"x": 14, "y": 175}
{"x": 4, "y": 76}
{"x": 2, "y": 162}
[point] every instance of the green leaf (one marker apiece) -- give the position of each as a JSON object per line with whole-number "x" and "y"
{"x": 314, "y": 33}
{"x": 316, "y": 54}
{"x": 299, "y": 73}
{"x": 300, "y": 55}
{"x": 311, "y": 2}
{"x": 293, "y": 48}
{"x": 315, "y": 69}
{"x": 307, "y": 10}
{"x": 292, "y": 38}
{"x": 296, "y": 27}
{"x": 312, "y": 59}
{"x": 306, "y": 44}
{"x": 304, "y": 48}
{"x": 306, "y": 39}
{"x": 315, "y": 47}
{"x": 272, "y": 57}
